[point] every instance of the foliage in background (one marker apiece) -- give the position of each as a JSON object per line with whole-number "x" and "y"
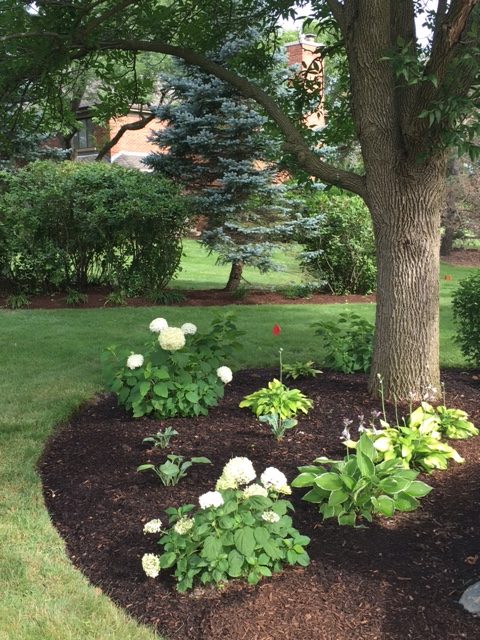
{"x": 64, "y": 225}
{"x": 358, "y": 487}
{"x": 180, "y": 372}
{"x": 348, "y": 342}
{"x": 242, "y": 530}
{"x": 216, "y": 147}
{"x": 339, "y": 249}
{"x": 466, "y": 314}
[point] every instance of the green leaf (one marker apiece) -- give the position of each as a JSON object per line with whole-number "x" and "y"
{"x": 385, "y": 505}
{"x": 235, "y": 564}
{"x": 261, "y": 535}
{"x": 303, "y": 480}
{"x": 337, "y": 497}
{"x": 167, "y": 560}
{"x": 419, "y": 489}
{"x": 329, "y": 481}
{"x": 212, "y": 547}
{"x": 144, "y": 388}
{"x": 365, "y": 465}
{"x": 245, "y": 541}
{"x": 161, "y": 389}
{"x": 201, "y": 460}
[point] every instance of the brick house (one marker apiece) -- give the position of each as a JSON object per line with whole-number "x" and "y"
{"x": 135, "y": 129}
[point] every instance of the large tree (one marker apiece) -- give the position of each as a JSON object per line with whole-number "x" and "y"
{"x": 407, "y": 104}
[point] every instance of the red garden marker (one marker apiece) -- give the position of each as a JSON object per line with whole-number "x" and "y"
{"x": 276, "y": 329}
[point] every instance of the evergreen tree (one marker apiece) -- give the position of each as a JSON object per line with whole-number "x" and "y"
{"x": 215, "y": 145}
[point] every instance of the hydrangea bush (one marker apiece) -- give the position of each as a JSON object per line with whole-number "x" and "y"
{"x": 240, "y": 530}
{"x": 181, "y": 372}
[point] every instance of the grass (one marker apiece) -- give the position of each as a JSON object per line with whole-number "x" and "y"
{"x": 200, "y": 270}
{"x": 50, "y": 365}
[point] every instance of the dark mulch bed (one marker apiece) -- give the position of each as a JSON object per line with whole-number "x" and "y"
{"x": 97, "y": 298}
{"x": 399, "y": 579}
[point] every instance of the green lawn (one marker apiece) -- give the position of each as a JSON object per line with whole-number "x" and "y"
{"x": 199, "y": 269}
{"x": 50, "y": 365}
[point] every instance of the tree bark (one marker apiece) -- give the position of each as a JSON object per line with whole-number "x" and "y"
{"x": 235, "y": 276}
{"x": 406, "y": 213}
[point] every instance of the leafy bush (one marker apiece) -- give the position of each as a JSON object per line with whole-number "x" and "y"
{"x": 338, "y": 242}
{"x": 241, "y": 530}
{"x": 180, "y": 372}
{"x": 359, "y": 487}
{"x": 413, "y": 447}
{"x": 67, "y": 224}
{"x": 451, "y": 423}
{"x": 277, "y": 405}
{"x": 348, "y": 342}
{"x": 466, "y": 314}
{"x": 300, "y": 370}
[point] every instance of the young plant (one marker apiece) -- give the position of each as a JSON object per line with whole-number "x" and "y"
{"x": 451, "y": 423}
{"x": 74, "y": 297}
{"x": 173, "y": 469}
{"x": 161, "y": 439}
{"x": 277, "y": 405}
{"x": 348, "y": 342}
{"x": 358, "y": 487}
{"x": 180, "y": 373}
{"x": 118, "y": 298}
{"x": 17, "y": 301}
{"x": 241, "y": 530}
{"x": 300, "y": 370}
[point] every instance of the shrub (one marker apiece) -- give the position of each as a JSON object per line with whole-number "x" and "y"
{"x": 359, "y": 487}
{"x": 241, "y": 530}
{"x": 466, "y": 314}
{"x": 452, "y": 423}
{"x": 348, "y": 342}
{"x": 277, "y": 405}
{"x": 66, "y": 224}
{"x": 339, "y": 249}
{"x": 180, "y": 373}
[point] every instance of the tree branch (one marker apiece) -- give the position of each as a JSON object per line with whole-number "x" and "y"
{"x": 129, "y": 126}
{"x": 294, "y": 140}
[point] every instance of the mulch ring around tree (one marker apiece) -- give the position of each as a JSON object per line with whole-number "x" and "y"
{"x": 398, "y": 579}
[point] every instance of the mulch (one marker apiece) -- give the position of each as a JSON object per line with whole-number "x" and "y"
{"x": 398, "y": 579}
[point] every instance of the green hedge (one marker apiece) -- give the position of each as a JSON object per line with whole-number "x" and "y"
{"x": 66, "y": 225}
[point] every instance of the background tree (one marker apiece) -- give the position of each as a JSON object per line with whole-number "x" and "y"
{"x": 407, "y": 103}
{"x": 215, "y": 145}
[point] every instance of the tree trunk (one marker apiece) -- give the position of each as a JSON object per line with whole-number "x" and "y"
{"x": 235, "y": 276}
{"x": 406, "y": 213}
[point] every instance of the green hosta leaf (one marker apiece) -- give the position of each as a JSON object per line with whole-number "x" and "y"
{"x": 385, "y": 505}
{"x": 366, "y": 448}
{"x": 329, "y": 481}
{"x": 304, "y": 480}
{"x": 419, "y": 489}
{"x": 337, "y": 497}
{"x": 347, "y": 519}
{"x": 245, "y": 541}
{"x": 404, "y": 502}
{"x": 201, "y": 460}
{"x": 303, "y": 559}
{"x": 316, "y": 495}
{"x": 365, "y": 465}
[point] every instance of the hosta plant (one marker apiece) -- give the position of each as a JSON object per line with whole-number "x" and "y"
{"x": 180, "y": 372}
{"x": 358, "y": 487}
{"x": 162, "y": 438}
{"x": 300, "y": 370}
{"x": 277, "y": 405}
{"x": 413, "y": 447}
{"x": 451, "y": 423}
{"x": 240, "y": 530}
{"x": 173, "y": 469}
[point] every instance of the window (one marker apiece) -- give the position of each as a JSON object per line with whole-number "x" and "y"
{"x": 84, "y": 138}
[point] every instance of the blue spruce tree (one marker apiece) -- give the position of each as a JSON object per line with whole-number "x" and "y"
{"x": 214, "y": 144}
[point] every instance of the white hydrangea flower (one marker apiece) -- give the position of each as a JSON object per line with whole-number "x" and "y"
{"x": 255, "y": 490}
{"x": 274, "y": 479}
{"x": 238, "y": 471}
{"x": 183, "y": 526}
{"x": 211, "y": 499}
{"x": 135, "y": 360}
{"x": 225, "y": 374}
{"x": 171, "y": 339}
{"x": 157, "y": 325}
{"x": 189, "y": 329}
{"x": 153, "y": 526}
{"x": 270, "y": 516}
{"x": 151, "y": 565}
